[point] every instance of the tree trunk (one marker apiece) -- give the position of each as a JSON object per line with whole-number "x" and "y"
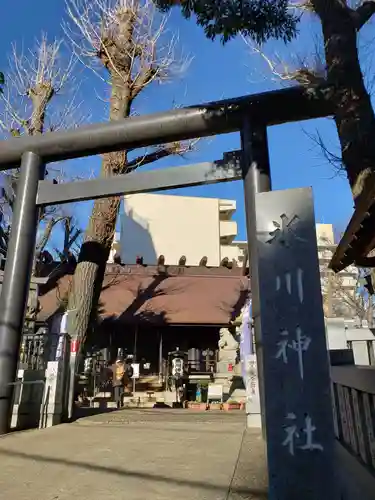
{"x": 89, "y": 274}
{"x": 354, "y": 115}
{"x": 40, "y": 96}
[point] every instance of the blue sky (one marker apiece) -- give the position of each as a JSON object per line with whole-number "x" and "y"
{"x": 216, "y": 72}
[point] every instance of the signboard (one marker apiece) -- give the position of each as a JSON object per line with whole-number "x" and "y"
{"x": 215, "y": 392}
{"x": 135, "y": 367}
{"x": 177, "y": 367}
{"x": 52, "y": 369}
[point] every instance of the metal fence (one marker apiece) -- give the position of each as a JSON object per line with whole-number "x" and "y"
{"x": 34, "y": 350}
{"x": 353, "y": 390}
{"x": 203, "y": 366}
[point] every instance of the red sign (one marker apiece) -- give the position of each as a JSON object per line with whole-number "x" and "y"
{"x": 74, "y": 346}
{"x": 230, "y": 367}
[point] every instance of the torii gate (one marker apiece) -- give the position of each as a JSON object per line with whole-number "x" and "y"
{"x": 286, "y": 298}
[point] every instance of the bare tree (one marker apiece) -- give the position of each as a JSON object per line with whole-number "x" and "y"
{"x": 126, "y": 43}
{"x": 35, "y": 78}
{"x": 340, "y": 295}
{"x": 345, "y": 297}
{"x": 344, "y": 294}
{"x": 344, "y": 85}
{"x": 304, "y": 68}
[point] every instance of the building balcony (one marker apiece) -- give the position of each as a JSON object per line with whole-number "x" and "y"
{"x": 228, "y": 230}
{"x": 226, "y": 209}
{"x": 234, "y": 251}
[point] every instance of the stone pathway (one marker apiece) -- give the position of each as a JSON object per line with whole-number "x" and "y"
{"x": 134, "y": 455}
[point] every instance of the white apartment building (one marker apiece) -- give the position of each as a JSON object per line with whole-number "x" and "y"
{"x": 179, "y": 226}
{"x": 339, "y": 291}
{"x": 326, "y": 248}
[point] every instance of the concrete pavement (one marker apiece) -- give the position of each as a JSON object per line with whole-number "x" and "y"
{"x": 134, "y": 455}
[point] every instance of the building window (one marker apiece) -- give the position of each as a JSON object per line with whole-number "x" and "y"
{"x": 371, "y": 353}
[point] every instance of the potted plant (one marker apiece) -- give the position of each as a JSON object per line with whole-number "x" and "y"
{"x": 196, "y": 405}
{"x": 216, "y": 405}
{"x": 232, "y": 405}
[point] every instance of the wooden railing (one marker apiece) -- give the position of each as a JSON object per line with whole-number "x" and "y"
{"x": 353, "y": 389}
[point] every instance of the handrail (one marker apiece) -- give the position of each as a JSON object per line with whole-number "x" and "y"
{"x": 361, "y": 378}
{"x": 27, "y": 382}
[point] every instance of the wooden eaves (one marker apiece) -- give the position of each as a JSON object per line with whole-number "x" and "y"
{"x": 359, "y": 237}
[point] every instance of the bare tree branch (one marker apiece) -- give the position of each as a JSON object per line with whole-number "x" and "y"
{"x": 303, "y": 6}
{"x": 305, "y": 70}
{"x": 98, "y": 26}
{"x": 177, "y": 148}
{"x": 311, "y": 70}
{"x": 73, "y": 235}
{"x": 47, "y": 233}
{"x": 333, "y": 159}
{"x": 34, "y": 78}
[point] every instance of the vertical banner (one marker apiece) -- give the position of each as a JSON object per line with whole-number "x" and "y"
{"x": 249, "y": 368}
{"x": 246, "y": 340}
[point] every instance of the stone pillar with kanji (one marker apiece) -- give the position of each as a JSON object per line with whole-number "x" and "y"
{"x": 291, "y": 347}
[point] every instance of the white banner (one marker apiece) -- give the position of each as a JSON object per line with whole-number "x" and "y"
{"x": 135, "y": 367}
